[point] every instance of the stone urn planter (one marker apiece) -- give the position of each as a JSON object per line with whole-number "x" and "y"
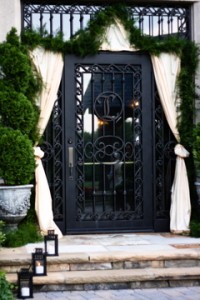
{"x": 14, "y": 204}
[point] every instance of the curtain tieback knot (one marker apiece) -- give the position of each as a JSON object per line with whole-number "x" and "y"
{"x": 38, "y": 153}
{"x": 181, "y": 151}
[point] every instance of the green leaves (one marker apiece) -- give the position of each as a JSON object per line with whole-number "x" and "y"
{"x": 27, "y": 232}
{"x": 19, "y": 86}
{"x": 17, "y": 111}
{"x": 17, "y": 162}
{"x": 5, "y": 288}
{"x": 15, "y": 66}
{"x": 2, "y": 235}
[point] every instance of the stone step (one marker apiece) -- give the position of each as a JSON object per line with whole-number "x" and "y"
{"x": 103, "y": 270}
{"x": 99, "y": 279}
{"x": 105, "y": 261}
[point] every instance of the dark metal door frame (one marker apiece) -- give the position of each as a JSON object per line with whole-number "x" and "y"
{"x": 72, "y": 177}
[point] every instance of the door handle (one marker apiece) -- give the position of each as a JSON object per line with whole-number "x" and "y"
{"x": 71, "y": 161}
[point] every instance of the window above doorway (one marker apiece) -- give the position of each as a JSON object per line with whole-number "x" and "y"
{"x": 153, "y": 20}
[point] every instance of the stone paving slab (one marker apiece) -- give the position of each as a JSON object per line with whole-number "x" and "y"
{"x": 112, "y": 243}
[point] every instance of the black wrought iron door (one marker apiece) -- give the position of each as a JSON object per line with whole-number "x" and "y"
{"x": 108, "y": 140}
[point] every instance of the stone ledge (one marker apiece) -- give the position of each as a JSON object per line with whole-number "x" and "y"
{"x": 101, "y": 261}
{"x": 151, "y": 255}
{"x": 16, "y": 259}
{"x": 111, "y": 276}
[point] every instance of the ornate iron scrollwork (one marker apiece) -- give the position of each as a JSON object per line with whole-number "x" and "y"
{"x": 159, "y": 20}
{"x": 103, "y": 106}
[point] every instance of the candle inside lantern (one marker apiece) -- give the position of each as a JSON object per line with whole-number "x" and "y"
{"x": 25, "y": 291}
{"x": 39, "y": 269}
{"x": 51, "y": 250}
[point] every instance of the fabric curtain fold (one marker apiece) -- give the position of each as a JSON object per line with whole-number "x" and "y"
{"x": 116, "y": 39}
{"x": 50, "y": 67}
{"x": 166, "y": 70}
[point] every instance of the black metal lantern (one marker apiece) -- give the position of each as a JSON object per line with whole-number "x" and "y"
{"x": 39, "y": 263}
{"x": 51, "y": 243}
{"x": 25, "y": 284}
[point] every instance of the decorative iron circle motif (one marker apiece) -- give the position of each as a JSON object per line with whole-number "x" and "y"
{"x": 108, "y": 106}
{"x": 109, "y": 149}
{"x": 106, "y": 149}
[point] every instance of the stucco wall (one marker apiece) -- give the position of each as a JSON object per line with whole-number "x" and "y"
{"x": 10, "y": 16}
{"x": 196, "y": 38}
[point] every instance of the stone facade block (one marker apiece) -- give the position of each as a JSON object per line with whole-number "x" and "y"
{"x": 186, "y": 283}
{"x": 181, "y": 263}
{"x": 58, "y": 267}
{"x": 118, "y": 265}
{"x": 89, "y": 267}
{"x": 143, "y": 264}
{"x": 149, "y": 284}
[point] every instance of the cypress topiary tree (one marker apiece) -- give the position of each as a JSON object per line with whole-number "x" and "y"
{"x": 19, "y": 85}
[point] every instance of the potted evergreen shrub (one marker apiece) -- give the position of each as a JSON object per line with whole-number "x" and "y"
{"x": 19, "y": 85}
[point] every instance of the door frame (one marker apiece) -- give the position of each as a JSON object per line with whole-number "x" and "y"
{"x": 105, "y": 57}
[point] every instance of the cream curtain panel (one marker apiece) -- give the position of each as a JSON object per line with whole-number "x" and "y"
{"x": 116, "y": 39}
{"x": 50, "y": 67}
{"x": 166, "y": 69}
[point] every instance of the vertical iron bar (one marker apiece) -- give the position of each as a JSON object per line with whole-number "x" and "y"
{"x": 51, "y": 23}
{"x": 71, "y": 24}
{"x": 93, "y": 142}
{"x": 103, "y": 76}
{"x": 61, "y": 23}
{"x": 81, "y": 20}
{"x": 41, "y": 23}
{"x": 83, "y": 129}
{"x": 31, "y": 21}
{"x": 168, "y": 24}
{"x": 124, "y": 139}
{"x": 112, "y": 188}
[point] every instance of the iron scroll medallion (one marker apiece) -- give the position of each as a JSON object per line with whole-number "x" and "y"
{"x": 108, "y": 106}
